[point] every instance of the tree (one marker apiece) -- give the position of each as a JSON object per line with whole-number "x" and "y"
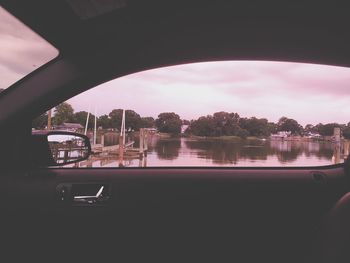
{"x": 226, "y": 123}
{"x": 309, "y": 128}
{"x": 203, "y": 126}
{"x": 272, "y": 127}
{"x": 346, "y": 132}
{"x": 243, "y": 133}
{"x": 327, "y": 129}
{"x": 81, "y": 116}
{"x": 169, "y": 122}
{"x": 1, "y": 90}
{"x": 256, "y": 127}
{"x": 63, "y": 113}
{"x": 147, "y": 122}
{"x": 219, "y": 124}
{"x": 286, "y": 124}
{"x": 40, "y": 122}
{"x": 132, "y": 119}
{"x": 104, "y": 121}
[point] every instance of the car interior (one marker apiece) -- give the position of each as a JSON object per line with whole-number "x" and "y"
{"x": 167, "y": 214}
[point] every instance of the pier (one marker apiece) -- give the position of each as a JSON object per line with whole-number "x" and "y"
{"x": 123, "y": 151}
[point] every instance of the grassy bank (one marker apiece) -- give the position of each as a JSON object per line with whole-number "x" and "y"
{"x": 235, "y": 138}
{"x": 164, "y": 135}
{"x": 226, "y": 138}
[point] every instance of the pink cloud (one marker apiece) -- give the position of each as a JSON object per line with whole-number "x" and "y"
{"x": 309, "y": 93}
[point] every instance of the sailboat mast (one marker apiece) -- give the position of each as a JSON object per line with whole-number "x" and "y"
{"x": 122, "y": 140}
{"x": 87, "y": 121}
{"x": 123, "y": 127}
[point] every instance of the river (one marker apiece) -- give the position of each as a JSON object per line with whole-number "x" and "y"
{"x": 222, "y": 153}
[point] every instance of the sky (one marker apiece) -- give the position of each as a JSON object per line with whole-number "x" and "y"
{"x": 21, "y": 50}
{"x": 308, "y": 93}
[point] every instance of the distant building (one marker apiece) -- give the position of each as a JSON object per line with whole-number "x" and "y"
{"x": 281, "y": 135}
{"x": 68, "y": 126}
{"x": 312, "y": 135}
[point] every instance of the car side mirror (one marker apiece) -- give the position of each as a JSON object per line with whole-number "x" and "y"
{"x": 57, "y": 148}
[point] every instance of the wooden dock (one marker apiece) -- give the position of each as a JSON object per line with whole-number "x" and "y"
{"x": 113, "y": 149}
{"x": 124, "y": 150}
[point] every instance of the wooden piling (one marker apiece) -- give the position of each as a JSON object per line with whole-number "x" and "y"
{"x": 145, "y": 141}
{"x": 336, "y": 134}
{"x": 141, "y": 150}
{"x": 336, "y": 153}
{"x": 102, "y": 140}
{"x": 121, "y": 149}
{"x": 346, "y": 148}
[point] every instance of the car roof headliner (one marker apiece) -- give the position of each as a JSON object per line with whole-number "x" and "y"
{"x": 148, "y": 34}
{"x": 305, "y": 31}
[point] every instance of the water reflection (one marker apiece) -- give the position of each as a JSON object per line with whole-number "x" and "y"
{"x": 167, "y": 149}
{"x": 222, "y": 152}
{"x": 201, "y": 152}
{"x": 67, "y": 148}
{"x": 260, "y": 152}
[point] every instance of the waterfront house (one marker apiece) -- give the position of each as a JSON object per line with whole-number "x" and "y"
{"x": 311, "y": 135}
{"x": 68, "y": 126}
{"x": 280, "y": 135}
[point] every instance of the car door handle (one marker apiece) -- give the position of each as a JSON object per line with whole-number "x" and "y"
{"x": 83, "y": 194}
{"x": 91, "y": 199}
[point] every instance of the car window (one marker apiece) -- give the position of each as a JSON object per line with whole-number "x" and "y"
{"x": 227, "y": 113}
{"x": 22, "y": 50}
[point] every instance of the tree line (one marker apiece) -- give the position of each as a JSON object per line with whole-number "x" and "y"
{"x": 167, "y": 122}
{"x": 231, "y": 124}
{"x": 219, "y": 124}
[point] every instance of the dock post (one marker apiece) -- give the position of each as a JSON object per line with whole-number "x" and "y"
{"x": 145, "y": 142}
{"x": 346, "y": 148}
{"x": 103, "y": 140}
{"x": 141, "y": 143}
{"x": 121, "y": 149}
{"x": 336, "y": 134}
{"x": 336, "y": 153}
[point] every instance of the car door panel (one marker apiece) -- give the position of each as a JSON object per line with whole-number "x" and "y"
{"x": 273, "y": 212}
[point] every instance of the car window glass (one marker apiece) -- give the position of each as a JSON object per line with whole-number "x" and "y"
{"x": 22, "y": 50}
{"x": 231, "y": 114}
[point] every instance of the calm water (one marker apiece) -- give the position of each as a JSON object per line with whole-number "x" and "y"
{"x": 190, "y": 152}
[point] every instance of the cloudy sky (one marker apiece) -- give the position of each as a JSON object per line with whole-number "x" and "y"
{"x": 21, "y": 50}
{"x": 308, "y": 93}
